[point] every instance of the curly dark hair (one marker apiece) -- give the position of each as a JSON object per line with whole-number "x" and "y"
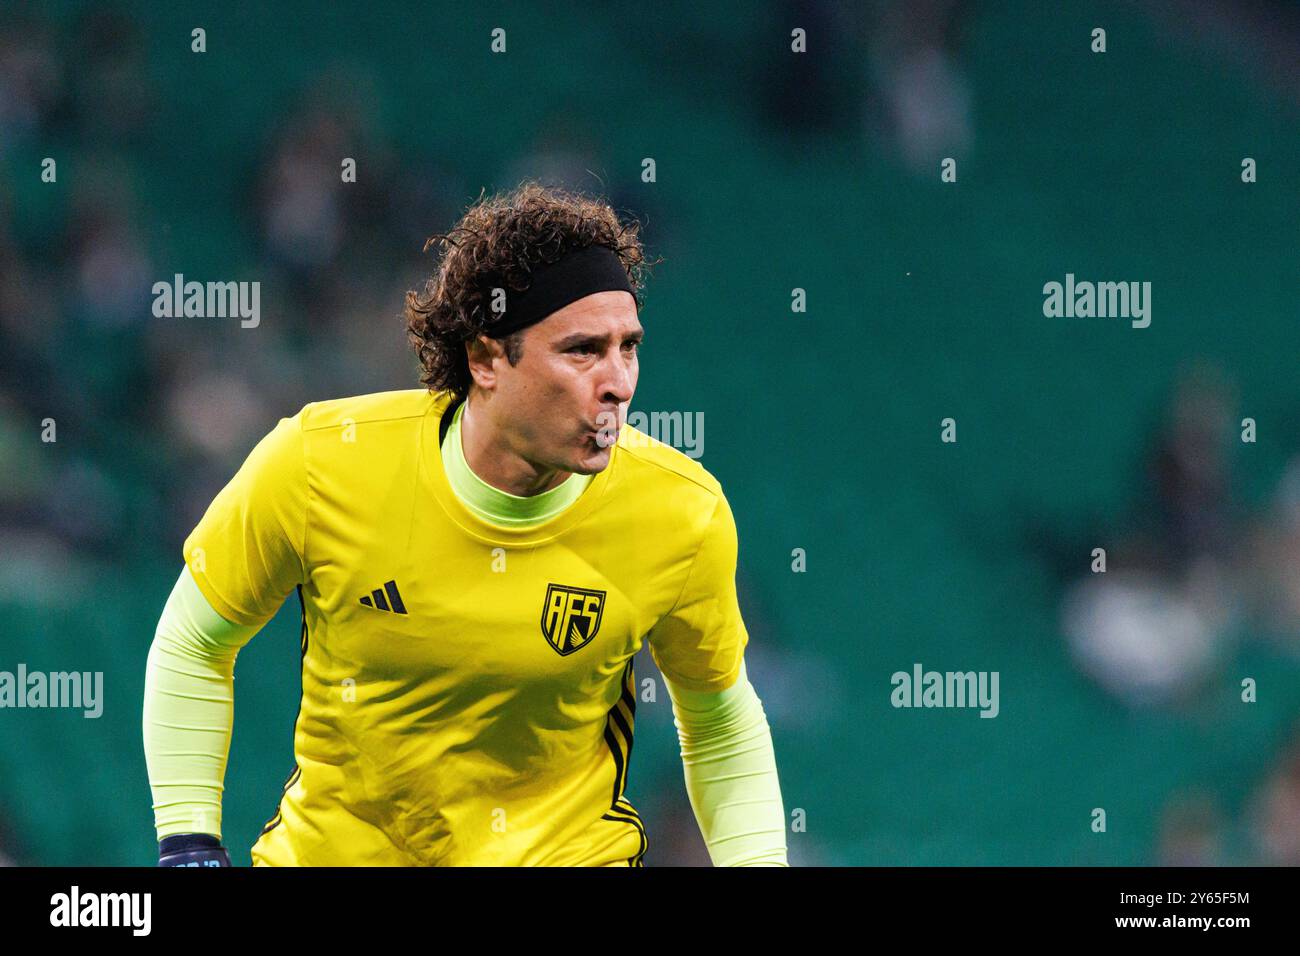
{"x": 496, "y": 244}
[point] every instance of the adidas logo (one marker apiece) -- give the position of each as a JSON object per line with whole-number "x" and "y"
{"x": 385, "y": 598}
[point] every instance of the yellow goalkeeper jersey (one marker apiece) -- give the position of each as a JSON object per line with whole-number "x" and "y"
{"x": 468, "y": 694}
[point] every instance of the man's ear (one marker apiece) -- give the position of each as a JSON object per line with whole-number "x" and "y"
{"x": 482, "y": 352}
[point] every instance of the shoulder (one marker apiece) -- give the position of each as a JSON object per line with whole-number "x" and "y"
{"x": 666, "y": 481}
{"x": 409, "y": 404}
{"x": 652, "y": 459}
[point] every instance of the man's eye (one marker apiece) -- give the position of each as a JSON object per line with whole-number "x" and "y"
{"x": 580, "y": 348}
{"x": 631, "y": 345}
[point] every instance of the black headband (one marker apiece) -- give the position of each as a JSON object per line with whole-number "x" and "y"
{"x": 554, "y": 285}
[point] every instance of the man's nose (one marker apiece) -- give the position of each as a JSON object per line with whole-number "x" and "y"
{"x": 618, "y": 382}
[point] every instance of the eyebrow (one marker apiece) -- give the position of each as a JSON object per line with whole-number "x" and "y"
{"x": 584, "y": 338}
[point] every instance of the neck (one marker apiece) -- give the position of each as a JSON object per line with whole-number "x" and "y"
{"x": 489, "y": 457}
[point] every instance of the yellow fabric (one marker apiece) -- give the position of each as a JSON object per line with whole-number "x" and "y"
{"x": 731, "y": 776}
{"x": 727, "y": 754}
{"x": 507, "y": 741}
{"x": 189, "y": 710}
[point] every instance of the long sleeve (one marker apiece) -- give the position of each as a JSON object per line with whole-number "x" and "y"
{"x": 731, "y": 776}
{"x": 242, "y": 559}
{"x": 189, "y": 710}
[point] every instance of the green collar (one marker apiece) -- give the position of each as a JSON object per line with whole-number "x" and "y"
{"x": 497, "y": 506}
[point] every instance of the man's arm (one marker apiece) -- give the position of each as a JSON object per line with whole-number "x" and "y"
{"x": 727, "y": 753}
{"x": 242, "y": 559}
{"x": 731, "y": 776}
{"x": 188, "y": 718}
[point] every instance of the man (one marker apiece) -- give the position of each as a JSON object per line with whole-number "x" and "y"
{"x": 476, "y": 562}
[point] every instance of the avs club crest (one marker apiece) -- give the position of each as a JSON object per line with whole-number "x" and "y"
{"x": 571, "y": 617}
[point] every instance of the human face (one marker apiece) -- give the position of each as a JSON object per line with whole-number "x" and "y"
{"x": 560, "y": 409}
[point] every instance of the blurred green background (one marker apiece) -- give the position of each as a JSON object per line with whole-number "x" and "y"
{"x": 774, "y": 171}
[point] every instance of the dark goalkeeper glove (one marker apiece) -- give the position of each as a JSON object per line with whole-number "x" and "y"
{"x": 192, "y": 849}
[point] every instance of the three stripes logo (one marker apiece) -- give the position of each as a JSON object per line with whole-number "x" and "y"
{"x": 386, "y": 598}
